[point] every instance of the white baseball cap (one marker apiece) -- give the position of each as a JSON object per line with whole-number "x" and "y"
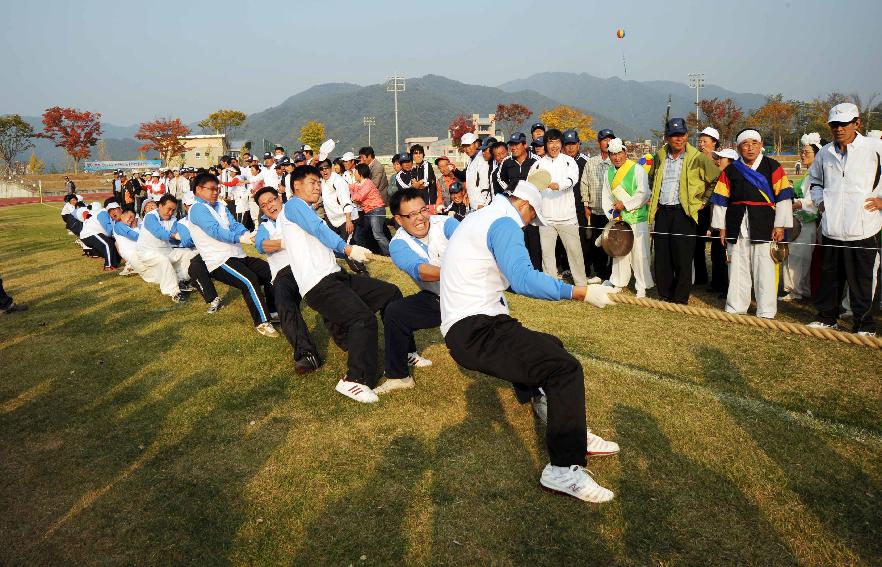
{"x": 615, "y": 146}
{"x": 189, "y": 199}
{"x": 348, "y": 156}
{"x": 111, "y": 205}
{"x": 528, "y": 192}
{"x": 468, "y": 138}
{"x": 727, "y": 153}
{"x": 712, "y": 132}
{"x": 843, "y": 112}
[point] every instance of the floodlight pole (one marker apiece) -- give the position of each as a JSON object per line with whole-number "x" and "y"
{"x": 696, "y": 81}
{"x": 395, "y": 85}
{"x": 369, "y": 121}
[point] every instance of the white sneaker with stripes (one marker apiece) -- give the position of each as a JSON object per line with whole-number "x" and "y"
{"x": 573, "y": 481}
{"x": 600, "y": 447}
{"x": 357, "y": 391}
{"x": 414, "y": 359}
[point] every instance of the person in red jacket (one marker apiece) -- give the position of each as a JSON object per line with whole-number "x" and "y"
{"x": 368, "y": 197}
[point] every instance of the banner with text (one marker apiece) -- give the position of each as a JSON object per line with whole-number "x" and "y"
{"x": 92, "y": 166}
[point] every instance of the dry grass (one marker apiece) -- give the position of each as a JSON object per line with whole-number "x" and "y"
{"x": 135, "y": 431}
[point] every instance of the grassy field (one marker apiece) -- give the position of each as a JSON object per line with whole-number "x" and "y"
{"x": 136, "y": 431}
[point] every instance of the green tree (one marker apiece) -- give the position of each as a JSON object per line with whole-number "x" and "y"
{"x": 312, "y": 133}
{"x": 223, "y": 121}
{"x": 15, "y": 137}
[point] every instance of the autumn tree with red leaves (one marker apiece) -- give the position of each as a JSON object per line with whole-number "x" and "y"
{"x": 723, "y": 114}
{"x": 459, "y": 127}
{"x": 510, "y": 116}
{"x": 74, "y": 130}
{"x": 163, "y": 136}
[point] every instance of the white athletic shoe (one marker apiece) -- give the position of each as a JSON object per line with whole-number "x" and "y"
{"x": 640, "y": 294}
{"x": 215, "y": 305}
{"x": 356, "y": 391}
{"x": 866, "y": 334}
{"x": 820, "y": 325}
{"x": 392, "y": 384}
{"x": 599, "y": 447}
{"x": 414, "y": 359}
{"x": 267, "y": 330}
{"x": 594, "y": 280}
{"x": 573, "y": 481}
{"x": 126, "y": 271}
{"x": 540, "y": 408}
{"x": 791, "y": 297}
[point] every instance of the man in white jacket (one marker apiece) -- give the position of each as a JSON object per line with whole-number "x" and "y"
{"x": 477, "y": 173}
{"x": 559, "y": 209}
{"x": 161, "y": 263}
{"x": 844, "y": 181}
{"x": 339, "y": 210}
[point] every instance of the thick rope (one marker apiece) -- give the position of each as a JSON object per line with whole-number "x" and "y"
{"x": 771, "y": 324}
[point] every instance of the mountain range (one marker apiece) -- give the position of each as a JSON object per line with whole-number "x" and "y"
{"x": 429, "y": 103}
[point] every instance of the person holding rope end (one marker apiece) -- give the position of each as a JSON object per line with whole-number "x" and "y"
{"x": 845, "y": 182}
{"x": 484, "y": 257}
{"x": 752, "y": 207}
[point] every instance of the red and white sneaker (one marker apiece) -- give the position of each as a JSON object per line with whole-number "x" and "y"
{"x": 357, "y": 391}
{"x": 573, "y": 481}
{"x": 599, "y": 447}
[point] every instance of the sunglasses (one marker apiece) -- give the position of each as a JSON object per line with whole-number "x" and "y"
{"x": 840, "y": 124}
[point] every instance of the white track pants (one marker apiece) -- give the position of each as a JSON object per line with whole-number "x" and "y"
{"x": 569, "y": 235}
{"x": 166, "y": 269}
{"x": 752, "y": 264}
{"x": 637, "y": 260}
{"x": 797, "y": 268}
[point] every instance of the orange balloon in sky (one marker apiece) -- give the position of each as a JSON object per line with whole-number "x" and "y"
{"x": 620, "y": 33}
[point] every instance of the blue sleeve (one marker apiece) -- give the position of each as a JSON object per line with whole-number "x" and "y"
{"x": 151, "y": 223}
{"x": 125, "y": 230}
{"x": 202, "y": 217}
{"x": 449, "y": 226}
{"x": 406, "y": 259}
{"x": 262, "y": 234}
{"x": 298, "y": 212}
{"x": 104, "y": 219}
{"x": 186, "y": 239}
{"x": 505, "y": 239}
{"x": 235, "y": 226}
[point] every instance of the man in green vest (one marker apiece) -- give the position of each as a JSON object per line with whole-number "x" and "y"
{"x": 682, "y": 180}
{"x": 626, "y": 195}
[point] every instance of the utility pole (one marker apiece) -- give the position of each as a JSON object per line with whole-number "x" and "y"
{"x": 696, "y": 81}
{"x": 369, "y": 121}
{"x": 395, "y": 85}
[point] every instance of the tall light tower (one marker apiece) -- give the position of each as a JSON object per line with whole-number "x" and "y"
{"x": 369, "y": 121}
{"x": 395, "y": 85}
{"x": 696, "y": 81}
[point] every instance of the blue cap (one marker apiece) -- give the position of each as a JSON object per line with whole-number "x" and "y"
{"x": 570, "y": 137}
{"x": 539, "y": 125}
{"x": 675, "y": 126}
{"x": 298, "y": 157}
{"x": 488, "y": 142}
{"x": 518, "y": 138}
{"x": 455, "y": 187}
{"x": 404, "y": 156}
{"x": 285, "y": 161}
{"x": 540, "y": 141}
{"x": 605, "y": 133}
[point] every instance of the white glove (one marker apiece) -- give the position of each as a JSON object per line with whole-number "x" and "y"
{"x": 451, "y": 214}
{"x": 246, "y": 238}
{"x": 597, "y": 241}
{"x": 360, "y": 254}
{"x": 598, "y": 295}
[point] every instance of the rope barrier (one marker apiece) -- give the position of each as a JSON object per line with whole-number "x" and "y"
{"x": 759, "y": 322}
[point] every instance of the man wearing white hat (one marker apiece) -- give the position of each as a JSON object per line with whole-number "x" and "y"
{"x": 626, "y": 194}
{"x": 485, "y": 256}
{"x": 845, "y": 182}
{"x": 97, "y": 233}
{"x": 708, "y": 142}
{"x": 155, "y": 187}
{"x": 752, "y": 207}
{"x": 477, "y": 174}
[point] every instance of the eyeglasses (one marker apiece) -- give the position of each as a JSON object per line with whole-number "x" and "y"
{"x": 834, "y": 125}
{"x": 211, "y": 188}
{"x": 324, "y": 167}
{"x": 410, "y": 216}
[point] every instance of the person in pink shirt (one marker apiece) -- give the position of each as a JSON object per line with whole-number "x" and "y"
{"x": 368, "y": 198}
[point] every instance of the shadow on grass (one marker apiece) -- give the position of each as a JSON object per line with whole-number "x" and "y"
{"x": 678, "y": 511}
{"x": 839, "y": 493}
{"x": 372, "y": 520}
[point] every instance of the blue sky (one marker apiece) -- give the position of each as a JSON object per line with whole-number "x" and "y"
{"x": 134, "y": 62}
